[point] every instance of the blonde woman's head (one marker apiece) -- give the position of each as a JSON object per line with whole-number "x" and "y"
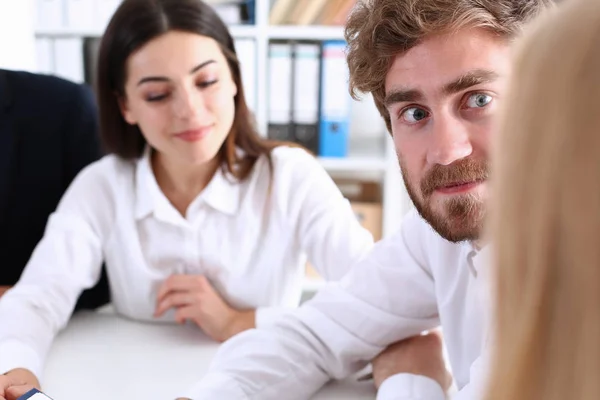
{"x": 546, "y": 213}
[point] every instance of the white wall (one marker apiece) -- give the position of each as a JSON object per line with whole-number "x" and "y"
{"x": 17, "y": 40}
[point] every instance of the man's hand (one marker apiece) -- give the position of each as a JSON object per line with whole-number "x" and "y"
{"x": 16, "y": 383}
{"x": 420, "y": 355}
{"x": 195, "y": 299}
{"x": 3, "y": 289}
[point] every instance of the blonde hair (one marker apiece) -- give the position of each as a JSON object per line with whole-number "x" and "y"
{"x": 378, "y": 30}
{"x": 545, "y": 209}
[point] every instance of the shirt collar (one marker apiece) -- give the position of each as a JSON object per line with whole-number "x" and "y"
{"x": 476, "y": 257}
{"x": 147, "y": 190}
{"x": 222, "y": 192}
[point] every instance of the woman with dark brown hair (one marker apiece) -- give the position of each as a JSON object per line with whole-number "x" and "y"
{"x": 196, "y": 216}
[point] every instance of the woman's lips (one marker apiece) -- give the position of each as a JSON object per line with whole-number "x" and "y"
{"x": 194, "y": 135}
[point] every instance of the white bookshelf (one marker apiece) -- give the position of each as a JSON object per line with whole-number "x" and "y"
{"x": 305, "y": 32}
{"x": 379, "y": 162}
{"x": 67, "y": 32}
{"x": 238, "y": 31}
{"x": 375, "y": 163}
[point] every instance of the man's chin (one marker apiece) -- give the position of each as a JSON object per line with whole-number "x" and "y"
{"x": 456, "y": 218}
{"x": 454, "y": 228}
{"x": 458, "y": 234}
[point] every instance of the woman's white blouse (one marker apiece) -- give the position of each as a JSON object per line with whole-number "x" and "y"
{"x": 250, "y": 239}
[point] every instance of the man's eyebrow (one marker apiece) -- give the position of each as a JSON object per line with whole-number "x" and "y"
{"x": 470, "y": 79}
{"x": 402, "y": 96}
{"x": 463, "y": 82}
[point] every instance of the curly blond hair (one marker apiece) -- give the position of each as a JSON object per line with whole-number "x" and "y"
{"x": 378, "y": 30}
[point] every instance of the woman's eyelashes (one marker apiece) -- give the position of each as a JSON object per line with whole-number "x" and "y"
{"x": 207, "y": 83}
{"x": 159, "y": 96}
{"x": 156, "y": 97}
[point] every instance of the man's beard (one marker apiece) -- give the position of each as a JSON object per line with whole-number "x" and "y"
{"x": 463, "y": 214}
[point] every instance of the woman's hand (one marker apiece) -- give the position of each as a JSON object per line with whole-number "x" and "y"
{"x": 16, "y": 383}
{"x": 195, "y": 299}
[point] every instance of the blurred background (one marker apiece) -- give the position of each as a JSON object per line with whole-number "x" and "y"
{"x": 295, "y": 77}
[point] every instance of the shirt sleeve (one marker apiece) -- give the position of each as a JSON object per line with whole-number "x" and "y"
{"x": 416, "y": 387}
{"x": 322, "y": 219}
{"x": 388, "y": 296}
{"x": 410, "y": 387}
{"x": 266, "y": 316}
{"x": 65, "y": 262}
{"x": 475, "y": 389}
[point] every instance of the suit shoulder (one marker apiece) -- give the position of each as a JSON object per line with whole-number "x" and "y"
{"x": 40, "y": 81}
{"x": 41, "y": 86}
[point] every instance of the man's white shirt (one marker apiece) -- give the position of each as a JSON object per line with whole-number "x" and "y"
{"x": 250, "y": 239}
{"x": 410, "y": 282}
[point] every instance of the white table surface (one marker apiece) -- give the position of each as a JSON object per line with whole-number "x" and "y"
{"x": 105, "y": 356}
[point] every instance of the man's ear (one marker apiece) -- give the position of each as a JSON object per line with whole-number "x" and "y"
{"x": 125, "y": 110}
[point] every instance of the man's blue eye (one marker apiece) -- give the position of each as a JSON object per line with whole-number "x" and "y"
{"x": 479, "y": 100}
{"x": 413, "y": 115}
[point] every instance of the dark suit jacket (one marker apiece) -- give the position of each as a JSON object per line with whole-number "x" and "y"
{"x": 48, "y": 133}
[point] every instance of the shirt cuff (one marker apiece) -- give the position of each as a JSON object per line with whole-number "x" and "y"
{"x": 16, "y": 354}
{"x": 267, "y": 316}
{"x": 410, "y": 387}
{"x": 215, "y": 386}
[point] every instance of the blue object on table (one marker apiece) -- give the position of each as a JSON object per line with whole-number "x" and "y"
{"x": 33, "y": 392}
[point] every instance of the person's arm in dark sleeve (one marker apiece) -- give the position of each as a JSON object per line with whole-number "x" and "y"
{"x": 82, "y": 139}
